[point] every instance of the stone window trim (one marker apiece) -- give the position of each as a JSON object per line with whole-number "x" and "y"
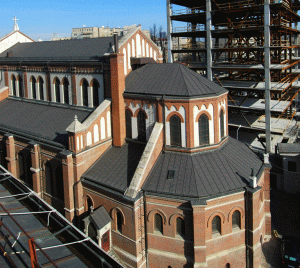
{"x": 174, "y": 113}
{"x": 137, "y": 112}
{"x": 201, "y": 113}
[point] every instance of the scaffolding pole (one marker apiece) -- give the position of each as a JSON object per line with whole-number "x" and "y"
{"x": 169, "y": 32}
{"x": 208, "y": 41}
{"x": 267, "y": 73}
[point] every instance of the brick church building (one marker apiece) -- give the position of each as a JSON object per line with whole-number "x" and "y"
{"x": 133, "y": 151}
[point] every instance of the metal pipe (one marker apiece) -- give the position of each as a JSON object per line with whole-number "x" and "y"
{"x": 267, "y": 73}
{"x": 169, "y": 31}
{"x": 208, "y": 41}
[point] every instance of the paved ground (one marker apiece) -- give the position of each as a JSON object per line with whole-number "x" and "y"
{"x": 285, "y": 211}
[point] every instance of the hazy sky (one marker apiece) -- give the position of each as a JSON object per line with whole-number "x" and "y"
{"x": 42, "y": 18}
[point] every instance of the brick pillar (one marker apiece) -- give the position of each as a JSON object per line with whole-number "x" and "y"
{"x": 216, "y": 122}
{"x": 25, "y": 82}
{"x": 68, "y": 177}
{"x": 199, "y": 224}
{"x": 252, "y": 223}
{"x": 5, "y": 68}
{"x": 36, "y": 171}
{"x": 118, "y": 105}
{"x": 11, "y": 154}
{"x": 73, "y": 86}
{"x": 48, "y": 84}
{"x": 266, "y": 190}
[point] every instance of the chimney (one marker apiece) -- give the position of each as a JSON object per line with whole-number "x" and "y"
{"x": 116, "y": 42}
{"x": 117, "y": 77}
{"x": 253, "y": 180}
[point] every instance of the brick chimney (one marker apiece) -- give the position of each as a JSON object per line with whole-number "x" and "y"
{"x": 117, "y": 77}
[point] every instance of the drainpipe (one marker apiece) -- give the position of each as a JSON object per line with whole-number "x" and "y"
{"x": 247, "y": 227}
{"x": 145, "y": 224}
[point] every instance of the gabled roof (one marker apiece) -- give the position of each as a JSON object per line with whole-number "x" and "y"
{"x": 11, "y": 33}
{"x": 170, "y": 79}
{"x": 43, "y": 121}
{"x": 204, "y": 174}
{"x": 88, "y": 49}
{"x": 99, "y": 217}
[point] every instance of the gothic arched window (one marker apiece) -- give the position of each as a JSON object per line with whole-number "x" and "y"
{"x": 20, "y": 86}
{"x": 222, "y": 124}
{"x": 175, "y": 130}
{"x": 141, "y": 122}
{"x": 57, "y": 89}
{"x": 158, "y": 223}
{"x": 84, "y": 86}
{"x": 236, "y": 219}
{"x": 95, "y": 91}
{"x": 33, "y": 87}
{"x": 203, "y": 130}
{"x": 41, "y": 88}
{"x": 128, "y": 124}
{"x": 216, "y": 225}
{"x": 13, "y": 85}
{"x": 66, "y": 91}
{"x": 180, "y": 227}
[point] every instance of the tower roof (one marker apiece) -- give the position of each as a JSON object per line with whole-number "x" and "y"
{"x": 170, "y": 79}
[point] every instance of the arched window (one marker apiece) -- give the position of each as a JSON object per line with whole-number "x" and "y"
{"x": 128, "y": 124}
{"x": 216, "y": 225}
{"x": 33, "y": 87}
{"x": 222, "y": 124}
{"x": 203, "y": 130}
{"x": 180, "y": 227}
{"x": 236, "y": 219}
{"x": 41, "y": 88}
{"x": 227, "y": 265}
{"x": 59, "y": 182}
{"x": 158, "y": 223}
{"x": 25, "y": 174}
{"x": 119, "y": 221}
{"x": 20, "y": 86}
{"x": 57, "y": 89}
{"x": 84, "y": 86}
{"x": 141, "y": 122}
{"x": 95, "y": 91}
{"x": 13, "y": 85}
{"x": 66, "y": 91}
{"x": 175, "y": 130}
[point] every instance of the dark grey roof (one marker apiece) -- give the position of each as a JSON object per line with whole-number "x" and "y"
{"x": 116, "y": 167}
{"x": 170, "y": 79}
{"x": 204, "y": 174}
{"x": 89, "y": 48}
{"x": 100, "y": 217}
{"x": 289, "y": 148}
{"x": 39, "y": 120}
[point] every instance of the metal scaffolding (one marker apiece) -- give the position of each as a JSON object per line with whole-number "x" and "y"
{"x": 250, "y": 47}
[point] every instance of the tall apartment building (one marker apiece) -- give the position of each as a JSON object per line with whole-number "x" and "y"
{"x": 251, "y": 48}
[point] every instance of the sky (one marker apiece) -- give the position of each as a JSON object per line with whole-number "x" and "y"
{"x": 40, "y": 18}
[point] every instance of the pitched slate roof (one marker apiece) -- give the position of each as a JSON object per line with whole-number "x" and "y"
{"x": 89, "y": 48}
{"x": 39, "y": 120}
{"x": 170, "y": 79}
{"x": 204, "y": 174}
{"x": 99, "y": 217}
{"x": 116, "y": 167}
